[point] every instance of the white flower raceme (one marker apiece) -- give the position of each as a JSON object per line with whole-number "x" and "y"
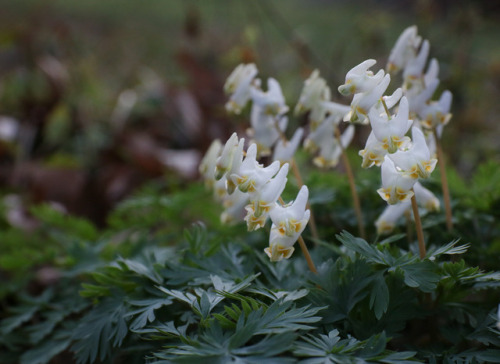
{"x": 313, "y": 92}
{"x": 223, "y": 163}
{"x": 386, "y": 222}
{"x": 396, "y": 186}
{"x": 252, "y": 175}
{"x": 271, "y": 102}
{"x": 373, "y": 153}
{"x": 415, "y": 162}
{"x": 284, "y": 150}
{"x": 239, "y": 85}
{"x": 208, "y": 162}
{"x": 364, "y": 101}
{"x": 436, "y": 113}
{"x": 360, "y": 79}
{"x": 391, "y": 131}
{"x": 263, "y": 200}
{"x": 425, "y": 197}
{"x": 403, "y": 50}
{"x": 288, "y": 223}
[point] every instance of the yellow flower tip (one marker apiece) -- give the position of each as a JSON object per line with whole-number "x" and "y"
{"x": 277, "y": 252}
{"x": 384, "y": 228}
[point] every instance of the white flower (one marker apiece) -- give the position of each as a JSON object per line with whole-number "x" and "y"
{"x": 315, "y": 90}
{"x": 425, "y": 197}
{"x": 226, "y": 158}
{"x": 391, "y": 131}
{"x": 235, "y": 165}
{"x": 359, "y": 79}
{"x": 252, "y": 175}
{"x": 415, "y": 162}
{"x": 403, "y": 50}
{"x": 418, "y": 97}
{"x": 207, "y": 164}
{"x": 432, "y": 71}
{"x": 271, "y": 102}
{"x": 390, "y": 101}
{"x": 331, "y": 148}
{"x": 363, "y": 102}
{"x": 288, "y": 223}
{"x": 264, "y": 199}
{"x": 264, "y": 130}
{"x": 238, "y": 85}
{"x": 284, "y": 150}
{"x": 415, "y": 66}
{"x": 437, "y": 113}
{"x": 234, "y": 207}
{"x": 374, "y": 152}
{"x": 387, "y": 220}
{"x": 396, "y": 187}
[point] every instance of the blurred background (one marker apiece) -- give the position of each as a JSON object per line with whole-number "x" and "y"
{"x": 98, "y": 97}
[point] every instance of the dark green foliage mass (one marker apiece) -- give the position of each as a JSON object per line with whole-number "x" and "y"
{"x": 145, "y": 290}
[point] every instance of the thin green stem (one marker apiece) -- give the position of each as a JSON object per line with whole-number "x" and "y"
{"x": 418, "y": 227}
{"x": 352, "y": 185}
{"x": 444, "y": 182}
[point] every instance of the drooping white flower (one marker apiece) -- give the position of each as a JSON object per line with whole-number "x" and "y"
{"x": 264, "y": 199}
{"x": 396, "y": 186}
{"x": 425, "y": 197}
{"x": 331, "y": 149}
{"x": 264, "y": 129}
{"x": 364, "y": 101}
{"x": 208, "y": 162}
{"x": 415, "y": 66}
{"x": 239, "y": 85}
{"x": 272, "y": 102}
{"x": 403, "y": 50}
{"x": 314, "y": 91}
{"x": 285, "y": 150}
{"x": 418, "y": 97}
{"x": 223, "y": 163}
{"x": 360, "y": 79}
{"x": 234, "y": 207}
{"x": 252, "y": 175}
{"x": 373, "y": 153}
{"x": 391, "y": 132}
{"x": 390, "y": 101}
{"x": 415, "y": 162}
{"x": 432, "y": 71}
{"x": 288, "y": 223}
{"x": 436, "y": 113}
{"x": 386, "y": 222}
{"x": 235, "y": 165}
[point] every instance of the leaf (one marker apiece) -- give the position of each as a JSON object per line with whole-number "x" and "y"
{"x": 361, "y": 247}
{"x": 379, "y": 295}
{"x": 421, "y": 275}
{"x": 146, "y": 311}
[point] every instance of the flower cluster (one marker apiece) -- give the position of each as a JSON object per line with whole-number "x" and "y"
{"x": 403, "y": 161}
{"x": 267, "y": 116}
{"x": 250, "y": 191}
{"x": 324, "y": 139}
